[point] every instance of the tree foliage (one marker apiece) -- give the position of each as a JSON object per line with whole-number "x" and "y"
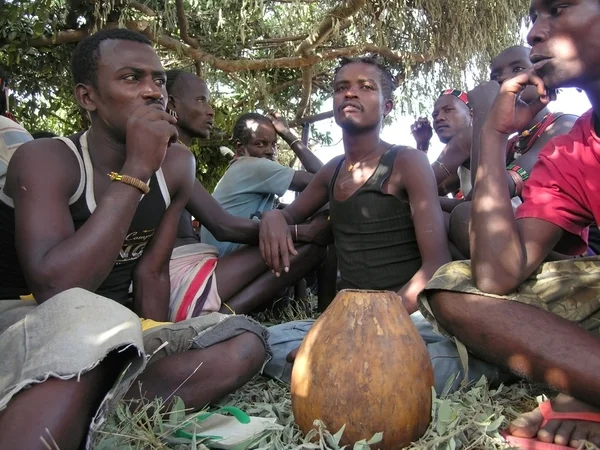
{"x": 256, "y": 54}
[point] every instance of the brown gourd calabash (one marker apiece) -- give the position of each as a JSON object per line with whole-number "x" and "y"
{"x": 364, "y": 364}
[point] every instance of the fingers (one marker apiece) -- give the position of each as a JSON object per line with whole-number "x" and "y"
{"x": 284, "y": 251}
{"x": 535, "y": 80}
{"x": 290, "y": 245}
{"x": 516, "y": 84}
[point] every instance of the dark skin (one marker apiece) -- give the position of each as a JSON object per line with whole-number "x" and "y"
{"x": 565, "y": 50}
{"x": 359, "y": 108}
{"x": 452, "y": 123}
{"x": 505, "y": 66}
{"x": 263, "y": 144}
{"x": 130, "y": 135}
{"x": 249, "y": 282}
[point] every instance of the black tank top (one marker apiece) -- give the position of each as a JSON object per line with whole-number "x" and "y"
{"x": 374, "y": 233}
{"x": 82, "y": 204}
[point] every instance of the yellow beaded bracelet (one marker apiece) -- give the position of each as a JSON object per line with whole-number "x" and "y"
{"x": 229, "y": 308}
{"x": 131, "y": 181}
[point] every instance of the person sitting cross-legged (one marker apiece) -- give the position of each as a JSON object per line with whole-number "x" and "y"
{"x": 386, "y": 219}
{"x": 538, "y": 319}
{"x": 111, "y": 198}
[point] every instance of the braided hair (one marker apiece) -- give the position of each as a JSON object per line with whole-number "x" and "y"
{"x": 388, "y": 83}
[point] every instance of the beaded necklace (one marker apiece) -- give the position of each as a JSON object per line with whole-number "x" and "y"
{"x": 526, "y": 139}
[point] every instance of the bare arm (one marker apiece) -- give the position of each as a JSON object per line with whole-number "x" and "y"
{"x": 505, "y": 251}
{"x": 301, "y": 180}
{"x": 455, "y": 153}
{"x": 54, "y": 257}
{"x": 228, "y": 228}
{"x": 151, "y": 281}
{"x": 275, "y": 237}
{"x": 222, "y": 225}
{"x": 309, "y": 160}
{"x": 562, "y": 125}
{"x": 419, "y": 182}
{"x": 311, "y": 163}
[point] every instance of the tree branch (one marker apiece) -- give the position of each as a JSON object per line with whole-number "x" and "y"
{"x": 342, "y": 11}
{"x": 141, "y": 7}
{"x": 306, "y": 91}
{"x": 280, "y": 40}
{"x": 311, "y": 119}
{"x": 241, "y": 65}
{"x": 62, "y": 37}
{"x": 236, "y": 65}
{"x": 183, "y": 25}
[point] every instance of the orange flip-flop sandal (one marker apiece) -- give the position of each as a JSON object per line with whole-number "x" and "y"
{"x": 549, "y": 414}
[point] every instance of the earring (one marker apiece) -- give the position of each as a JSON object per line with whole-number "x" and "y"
{"x": 173, "y": 113}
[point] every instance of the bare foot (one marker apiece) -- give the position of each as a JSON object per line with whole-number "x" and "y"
{"x": 560, "y": 432}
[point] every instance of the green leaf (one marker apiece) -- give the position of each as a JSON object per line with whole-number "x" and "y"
{"x": 338, "y": 436}
{"x": 177, "y": 413}
{"x": 494, "y": 425}
{"x": 377, "y": 438}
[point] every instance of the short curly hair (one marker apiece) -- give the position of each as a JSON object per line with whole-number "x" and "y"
{"x": 241, "y": 131}
{"x": 388, "y": 83}
{"x": 84, "y": 61}
{"x": 172, "y": 77}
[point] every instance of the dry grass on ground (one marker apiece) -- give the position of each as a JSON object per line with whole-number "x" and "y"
{"x": 469, "y": 419}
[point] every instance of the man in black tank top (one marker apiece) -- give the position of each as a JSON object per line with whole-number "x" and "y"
{"x": 386, "y": 217}
{"x": 100, "y": 234}
{"x": 372, "y": 182}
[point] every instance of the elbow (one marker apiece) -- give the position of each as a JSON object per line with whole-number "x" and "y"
{"x": 494, "y": 285}
{"x": 48, "y": 283}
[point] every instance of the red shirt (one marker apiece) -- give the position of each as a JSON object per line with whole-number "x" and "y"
{"x": 564, "y": 186}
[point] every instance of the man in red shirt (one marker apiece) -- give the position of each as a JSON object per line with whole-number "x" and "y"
{"x": 541, "y": 320}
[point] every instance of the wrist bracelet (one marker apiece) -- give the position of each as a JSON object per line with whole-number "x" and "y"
{"x": 296, "y": 232}
{"x": 131, "y": 181}
{"x": 522, "y": 172}
{"x": 294, "y": 141}
{"x": 518, "y": 182}
{"x": 229, "y": 308}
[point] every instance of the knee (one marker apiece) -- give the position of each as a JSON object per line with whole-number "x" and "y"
{"x": 458, "y": 227}
{"x": 247, "y": 354}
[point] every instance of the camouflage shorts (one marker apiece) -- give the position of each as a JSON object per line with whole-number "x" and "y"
{"x": 568, "y": 288}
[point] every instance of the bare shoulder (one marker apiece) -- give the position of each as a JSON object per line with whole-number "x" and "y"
{"x": 332, "y": 165}
{"x": 409, "y": 157}
{"x": 179, "y": 168}
{"x": 326, "y": 172}
{"x": 46, "y": 161}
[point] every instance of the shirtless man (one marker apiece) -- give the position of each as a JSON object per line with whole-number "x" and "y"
{"x": 385, "y": 214}
{"x": 522, "y": 150}
{"x": 538, "y": 320}
{"x": 239, "y": 281}
{"x": 452, "y": 120}
{"x": 100, "y": 235}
